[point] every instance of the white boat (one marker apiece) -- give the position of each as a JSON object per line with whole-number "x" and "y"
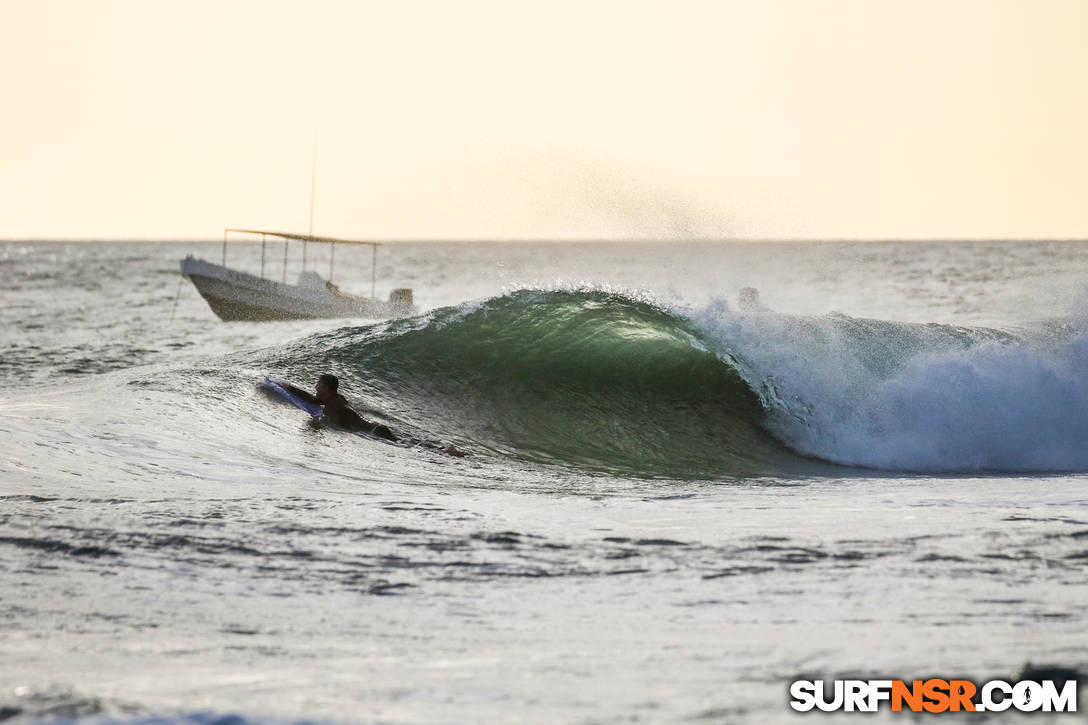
{"x": 236, "y": 295}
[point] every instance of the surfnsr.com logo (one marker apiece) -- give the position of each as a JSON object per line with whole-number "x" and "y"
{"x": 933, "y": 695}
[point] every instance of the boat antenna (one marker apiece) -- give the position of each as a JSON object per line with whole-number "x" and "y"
{"x": 313, "y": 183}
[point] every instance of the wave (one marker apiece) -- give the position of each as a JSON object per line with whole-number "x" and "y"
{"x": 608, "y": 382}
{"x": 593, "y": 379}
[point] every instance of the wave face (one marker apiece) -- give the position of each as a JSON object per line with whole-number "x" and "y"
{"x": 606, "y": 382}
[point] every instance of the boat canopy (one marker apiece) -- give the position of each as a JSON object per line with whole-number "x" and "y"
{"x": 305, "y": 239}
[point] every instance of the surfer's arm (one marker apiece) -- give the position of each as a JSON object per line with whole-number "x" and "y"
{"x": 309, "y": 397}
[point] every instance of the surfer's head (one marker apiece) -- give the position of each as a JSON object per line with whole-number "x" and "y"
{"x": 327, "y": 386}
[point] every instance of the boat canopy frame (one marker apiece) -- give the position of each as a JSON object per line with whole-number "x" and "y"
{"x": 305, "y": 239}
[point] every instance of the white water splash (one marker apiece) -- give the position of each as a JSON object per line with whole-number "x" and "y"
{"x": 913, "y": 397}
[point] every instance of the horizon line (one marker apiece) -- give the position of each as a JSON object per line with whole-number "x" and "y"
{"x": 556, "y": 240}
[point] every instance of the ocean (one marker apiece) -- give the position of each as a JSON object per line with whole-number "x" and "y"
{"x": 674, "y": 504}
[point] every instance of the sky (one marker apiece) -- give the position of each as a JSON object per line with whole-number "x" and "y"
{"x": 842, "y": 119}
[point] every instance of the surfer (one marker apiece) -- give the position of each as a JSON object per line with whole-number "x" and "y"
{"x": 336, "y": 409}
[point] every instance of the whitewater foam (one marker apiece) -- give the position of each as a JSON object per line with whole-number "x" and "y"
{"x": 899, "y": 396}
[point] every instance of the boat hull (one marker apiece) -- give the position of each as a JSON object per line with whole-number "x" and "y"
{"x": 240, "y": 296}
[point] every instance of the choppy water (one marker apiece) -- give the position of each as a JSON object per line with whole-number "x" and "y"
{"x": 673, "y": 507}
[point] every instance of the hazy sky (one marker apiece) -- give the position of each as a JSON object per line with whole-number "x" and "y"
{"x": 866, "y": 118}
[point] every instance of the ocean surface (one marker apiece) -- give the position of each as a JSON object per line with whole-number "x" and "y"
{"x": 673, "y": 505}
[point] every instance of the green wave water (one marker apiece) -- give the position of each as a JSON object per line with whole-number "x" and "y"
{"x": 592, "y": 379}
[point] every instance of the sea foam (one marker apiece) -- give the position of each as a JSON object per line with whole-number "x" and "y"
{"x": 932, "y": 398}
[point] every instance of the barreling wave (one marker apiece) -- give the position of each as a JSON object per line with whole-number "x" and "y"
{"x": 603, "y": 381}
{"x": 587, "y": 378}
